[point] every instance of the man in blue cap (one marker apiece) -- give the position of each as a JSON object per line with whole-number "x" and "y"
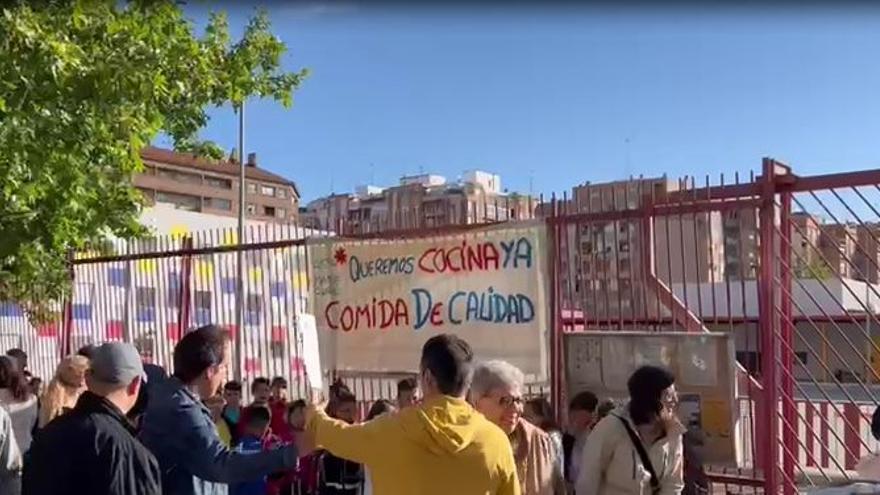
{"x": 92, "y": 449}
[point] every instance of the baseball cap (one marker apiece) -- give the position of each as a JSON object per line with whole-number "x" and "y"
{"x": 117, "y": 363}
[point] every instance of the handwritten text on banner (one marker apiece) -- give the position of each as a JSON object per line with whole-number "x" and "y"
{"x": 378, "y": 301}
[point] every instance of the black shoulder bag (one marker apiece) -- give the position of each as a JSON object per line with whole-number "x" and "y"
{"x": 643, "y": 455}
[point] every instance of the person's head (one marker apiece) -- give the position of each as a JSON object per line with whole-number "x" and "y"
{"x": 379, "y": 408}
{"x": 540, "y": 413}
{"x": 344, "y": 407}
{"x": 582, "y": 411}
{"x": 446, "y": 366}
{"x": 296, "y": 414}
{"x": 258, "y": 419}
{"x": 116, "y": 373}
{"x": 261, "y": 390}
{"x": 279, "y": 388}
{"x": 651, "y": 394}
{"x": 232, "y": 394}
{"x": 71, "y": 372}
{"x": 604, "y": 409}
{"x": 12, "y": 379}
{"x": 496, "y": 391}
{"x": 201, "y": 359}
{"x": 20, "y": 357}
{"x": 86, "y": 351}
{"x": 407, "y": 392}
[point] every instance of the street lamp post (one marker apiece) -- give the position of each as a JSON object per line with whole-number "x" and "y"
{"x": 240, "y": 293}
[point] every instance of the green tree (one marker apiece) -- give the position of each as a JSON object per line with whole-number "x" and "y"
{"x": 84, "y": 86}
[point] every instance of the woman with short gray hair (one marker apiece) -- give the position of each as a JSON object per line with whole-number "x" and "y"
{"x": 497, "y": 392}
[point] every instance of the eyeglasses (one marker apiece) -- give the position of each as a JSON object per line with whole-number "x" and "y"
{"x": 510, "y": 401}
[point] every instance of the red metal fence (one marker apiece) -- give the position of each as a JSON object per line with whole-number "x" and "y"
{"x": 789, "y": 265}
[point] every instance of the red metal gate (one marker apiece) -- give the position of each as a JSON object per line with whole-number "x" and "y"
{"x": 789, "y": 265}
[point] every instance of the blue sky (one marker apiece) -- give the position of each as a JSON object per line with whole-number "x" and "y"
{"x": 555, "y": 96}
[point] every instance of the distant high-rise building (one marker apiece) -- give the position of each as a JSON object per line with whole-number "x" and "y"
{"x": 419, "y": 201}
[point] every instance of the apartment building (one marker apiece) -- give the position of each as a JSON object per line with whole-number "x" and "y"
{"x": 195, "y": 184}
{"x": 419, "y": 201}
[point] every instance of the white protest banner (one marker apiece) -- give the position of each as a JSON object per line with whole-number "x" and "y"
{"x": 377, "y": 301}
{"x": 308, "y": 332}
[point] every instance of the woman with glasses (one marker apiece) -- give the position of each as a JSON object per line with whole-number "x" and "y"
{"x": 637, "y": 449}
{"x": 496, "y": 391}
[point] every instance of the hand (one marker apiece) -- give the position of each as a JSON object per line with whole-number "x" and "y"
{"x": 305, "y": 442}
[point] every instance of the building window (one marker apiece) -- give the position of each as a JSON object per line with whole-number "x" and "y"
{"x": 267, "y": 190}
{"x": 218, "y": 203}
{"x": 180, "y": 201}
{"x": 187, "y": 178}
{"x": 281, "y": 193}
{"x": 218, "y": 182}
{"x": 280, "y": 213}
{"x": 251, "y": 188}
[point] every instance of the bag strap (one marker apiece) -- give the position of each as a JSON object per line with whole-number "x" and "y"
{"x": 643, "y": 455}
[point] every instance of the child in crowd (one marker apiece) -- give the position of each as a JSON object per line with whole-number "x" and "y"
{"x": 338, "y": 476}
{"x": 260, "y": 394}
{"x": 278, "y": 406}
{"x": 255, "y": 425}
{"x": 303, "y": 479}
{"x": 216, "y": 405}
{"x": 232, "y": 409}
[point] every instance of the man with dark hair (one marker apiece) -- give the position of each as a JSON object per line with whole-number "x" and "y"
{"x": 92, "y": 449}
{"x": 581, "y": 418}
{"x": 87, "y": 351}
{"x": 407, "y": 393}
{"x": 180, "y": 430}
{"x": 441, "y": 446}
{"x": 21, "y": 360}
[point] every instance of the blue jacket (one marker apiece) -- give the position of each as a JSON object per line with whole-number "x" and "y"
{"x": 250, "y": 445}
{"x": 180, "y": 432}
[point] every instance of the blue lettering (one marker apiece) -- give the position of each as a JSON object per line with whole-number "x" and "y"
{"x": 507, "y": 248}
{"x": 473, "y": 307}
{"x": 523, "y": 252}
{"x": 452, "y": 299}
{"x": 421, "y": 316}
{"x": 526, "y": 309}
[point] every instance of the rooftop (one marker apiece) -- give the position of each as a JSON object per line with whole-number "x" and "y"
{"x": 171, "y": 157}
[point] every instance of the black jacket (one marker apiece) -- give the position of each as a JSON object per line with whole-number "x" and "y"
{"x": 91, "y": 450}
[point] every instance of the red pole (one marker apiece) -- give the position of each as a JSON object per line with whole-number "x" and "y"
{"x": 185, "y": 288}
{"x": 67, "y": 324}
{"x": 767, "y": 420}
{"x": 789, "y": 436}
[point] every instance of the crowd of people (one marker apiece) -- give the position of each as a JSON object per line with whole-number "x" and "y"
{"x": 108, "y": 424}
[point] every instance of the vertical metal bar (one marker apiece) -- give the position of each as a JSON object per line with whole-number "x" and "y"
{"x": 616, "y": 252}
{"x": 787, "y": 329}
{"x": 556, "y": 326}
{"x": 768, "y": 433}
{"x": 712, "y": 264}
{"x": 700, "y": 314}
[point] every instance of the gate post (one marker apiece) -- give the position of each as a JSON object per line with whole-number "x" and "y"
{"x": 767, "y": 421}
{"x": 789, "y": 429}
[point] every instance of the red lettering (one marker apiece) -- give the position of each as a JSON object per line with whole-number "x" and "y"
{"x": 347, "y": 318}
{"x": 474, "y": 258}
{"x": 363, "y": 311}
{"x": 436, "y": 320}
{"x": 327, "y": 310}
{"x": 450, "y": 257}
{"x": 401, "y": 312}
{"x": 490, "y": 255}
{"x": 422, "y": 265}
{"x": 441, "y": 255}
{"x": 386, "y": 308}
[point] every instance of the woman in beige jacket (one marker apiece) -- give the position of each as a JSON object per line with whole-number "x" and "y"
{"x": 611, "y": 463}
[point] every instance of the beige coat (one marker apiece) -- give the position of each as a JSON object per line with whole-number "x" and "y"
{"x": 611, "y": 465}
{"x": 537, "y": 460}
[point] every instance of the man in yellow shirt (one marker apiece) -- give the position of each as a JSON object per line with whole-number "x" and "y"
{"x": 441, "y": 447}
